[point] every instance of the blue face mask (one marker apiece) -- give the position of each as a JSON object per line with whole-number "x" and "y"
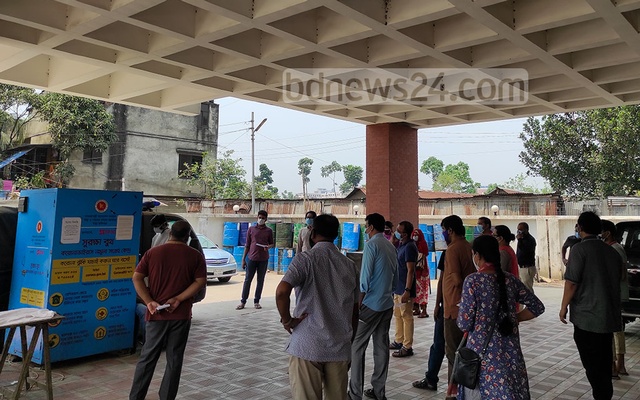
{"x": 398, "y": 235}
{"x": 577, "y": 235}
{"x": 309, "y": 221}
{"x": 445, "y": 234}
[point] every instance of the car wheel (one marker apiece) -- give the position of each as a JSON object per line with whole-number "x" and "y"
{"x": 226, "y": 279}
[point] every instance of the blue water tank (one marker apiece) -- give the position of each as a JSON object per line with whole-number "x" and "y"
{"x": 350, "y": 236}
{"x": 242, "y": 238}
{"x": 230, "y": 234}
{"x": 272, "y": 265}
{"x": 237, "y": 254}
{"x": 285, "y": 257}
{"x": 432, "y": 262}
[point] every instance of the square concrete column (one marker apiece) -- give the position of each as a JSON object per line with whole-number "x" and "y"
{"x": 392, "y": 172}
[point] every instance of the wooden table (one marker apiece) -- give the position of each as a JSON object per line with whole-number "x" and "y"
{"x": 22, "y": 318}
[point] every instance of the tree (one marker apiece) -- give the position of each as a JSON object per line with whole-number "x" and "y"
{"x": 352, "y": 177}
{"x": 330, "y": 172}
{"x": 519, "y": 182}
{"x": 16, "y": 109}
{"x": 586, "y": 154}
{"x": 432, "y": 166}
{"x": 221, "y": 178}
{"x": 450, "y": 178}
{"x": 75, "y": 123}
{"x": 304, "y": 170}
{"x": 264, "y": 189}
{"x": 288, "y": 195}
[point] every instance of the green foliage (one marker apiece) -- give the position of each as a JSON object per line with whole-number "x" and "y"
{"x": 287, "y": 195}
{"x": 491, "y": 187}
{"x": 519, "y": 182}
{"x": 37, "y": 181}
{"x": 76, "y": 123}
{"x": 63, "y": 172}
{"x": 352, "y": 177}
{"x": 266, "y": 175}
{"x": 329, "y": 171}
{"x": 16, "y": 109}
{"x": 586, "y": 154}
{"x": 432, "y": 166}
{"x": 450, "y": 178}
{"x": 221, "y": 178}
{"x": 304, "y": 170}
{"x": 264, "y": 189}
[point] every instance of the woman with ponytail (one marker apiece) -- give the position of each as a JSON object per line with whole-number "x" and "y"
{"x": 488, "y": 313}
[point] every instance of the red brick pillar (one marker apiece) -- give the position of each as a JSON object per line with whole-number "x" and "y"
{"x": 392, "y": 172}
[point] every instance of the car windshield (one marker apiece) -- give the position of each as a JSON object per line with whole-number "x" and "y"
{"x": 206, "y": 243}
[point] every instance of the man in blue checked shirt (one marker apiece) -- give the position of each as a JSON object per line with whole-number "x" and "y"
{"x": 377, "y": 281}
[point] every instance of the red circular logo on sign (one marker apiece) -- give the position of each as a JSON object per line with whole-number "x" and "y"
{"x": 101, "y": 206}
{"x": 39, "y": 227}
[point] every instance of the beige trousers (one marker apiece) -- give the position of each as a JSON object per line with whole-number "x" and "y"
{"x": 403, "y": 313}
{"x": 309, "y": 379}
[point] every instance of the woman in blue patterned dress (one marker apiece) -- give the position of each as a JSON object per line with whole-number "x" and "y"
{"x": 489, "y": 297}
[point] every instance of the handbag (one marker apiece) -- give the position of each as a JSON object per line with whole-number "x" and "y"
{"x": 466, "y": 364}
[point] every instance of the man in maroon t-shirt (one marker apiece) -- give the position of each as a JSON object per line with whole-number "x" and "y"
{"x": 176, "y": 273}
{"x": 259, "y": 241}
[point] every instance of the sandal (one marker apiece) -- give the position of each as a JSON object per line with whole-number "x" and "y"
{"x": 240, "y": 306}
{"x": 257, "y": 306}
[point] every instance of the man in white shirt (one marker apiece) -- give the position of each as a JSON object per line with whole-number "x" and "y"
{"x": 161, "y": 228}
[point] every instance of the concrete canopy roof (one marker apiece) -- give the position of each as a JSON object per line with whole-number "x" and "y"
{"x": 173, "y": 54}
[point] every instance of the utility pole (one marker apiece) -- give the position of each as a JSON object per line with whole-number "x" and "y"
{"x": 253, "y": 162}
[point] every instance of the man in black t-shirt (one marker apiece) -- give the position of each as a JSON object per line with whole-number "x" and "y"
{"x": 436, "y": 352}
{"x": 571, "y": 240}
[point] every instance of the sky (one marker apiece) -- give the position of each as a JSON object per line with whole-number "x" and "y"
{"x": 490, "y": 149}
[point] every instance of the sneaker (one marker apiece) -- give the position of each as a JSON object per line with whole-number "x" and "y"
{"x": 424, "y": 384}
{"x": 395, "y": 346}
{"x": 403, "y": 352}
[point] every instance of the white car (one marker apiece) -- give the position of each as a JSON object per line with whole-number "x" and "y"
{"x": 220, "y": 264}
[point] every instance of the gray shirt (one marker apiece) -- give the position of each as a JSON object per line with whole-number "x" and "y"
{"x": 595, "y": 267}
{"x": 304, "y": 240}
{"x": 326, "y": 285}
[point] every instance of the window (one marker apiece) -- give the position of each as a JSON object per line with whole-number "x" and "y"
{"x": 92, "y": 156}
{"x": 189, "y": 159}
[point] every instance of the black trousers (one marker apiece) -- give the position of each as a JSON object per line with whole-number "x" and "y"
{"x": 175, "y": 333}
{"x": 596, "y": 356}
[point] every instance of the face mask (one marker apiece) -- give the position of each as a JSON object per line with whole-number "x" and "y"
{"x": 387, "y": 231}
{"x": 261, "y": 221}
{"x": 398, "y": 235}
{"x": 577, "y": 235}
{"x": 309, "y": 221}
{"x": 479, "y": 228}
{"x": 415, "y": 238}
{"x": 475, "y": 264}
{"x": 445, "y": 234}
{"x": 520, "y": 232}
{"x": 157, "y": 230}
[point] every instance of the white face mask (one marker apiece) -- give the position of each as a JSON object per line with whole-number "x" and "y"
{"x": 475, "y": 264}
{"x": 157, "y": 230}
{"x": 415, "y": 238}
{"x": 261, "y": 221}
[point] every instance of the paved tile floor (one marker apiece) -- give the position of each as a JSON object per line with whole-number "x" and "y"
{"x": 239, "y": 355}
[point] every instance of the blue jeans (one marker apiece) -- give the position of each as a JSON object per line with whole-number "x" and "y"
{"x": 254, "y": 267}
{"x": 436, "y": 352}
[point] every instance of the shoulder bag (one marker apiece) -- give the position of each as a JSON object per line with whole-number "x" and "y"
{"x": 466, "y": 364}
